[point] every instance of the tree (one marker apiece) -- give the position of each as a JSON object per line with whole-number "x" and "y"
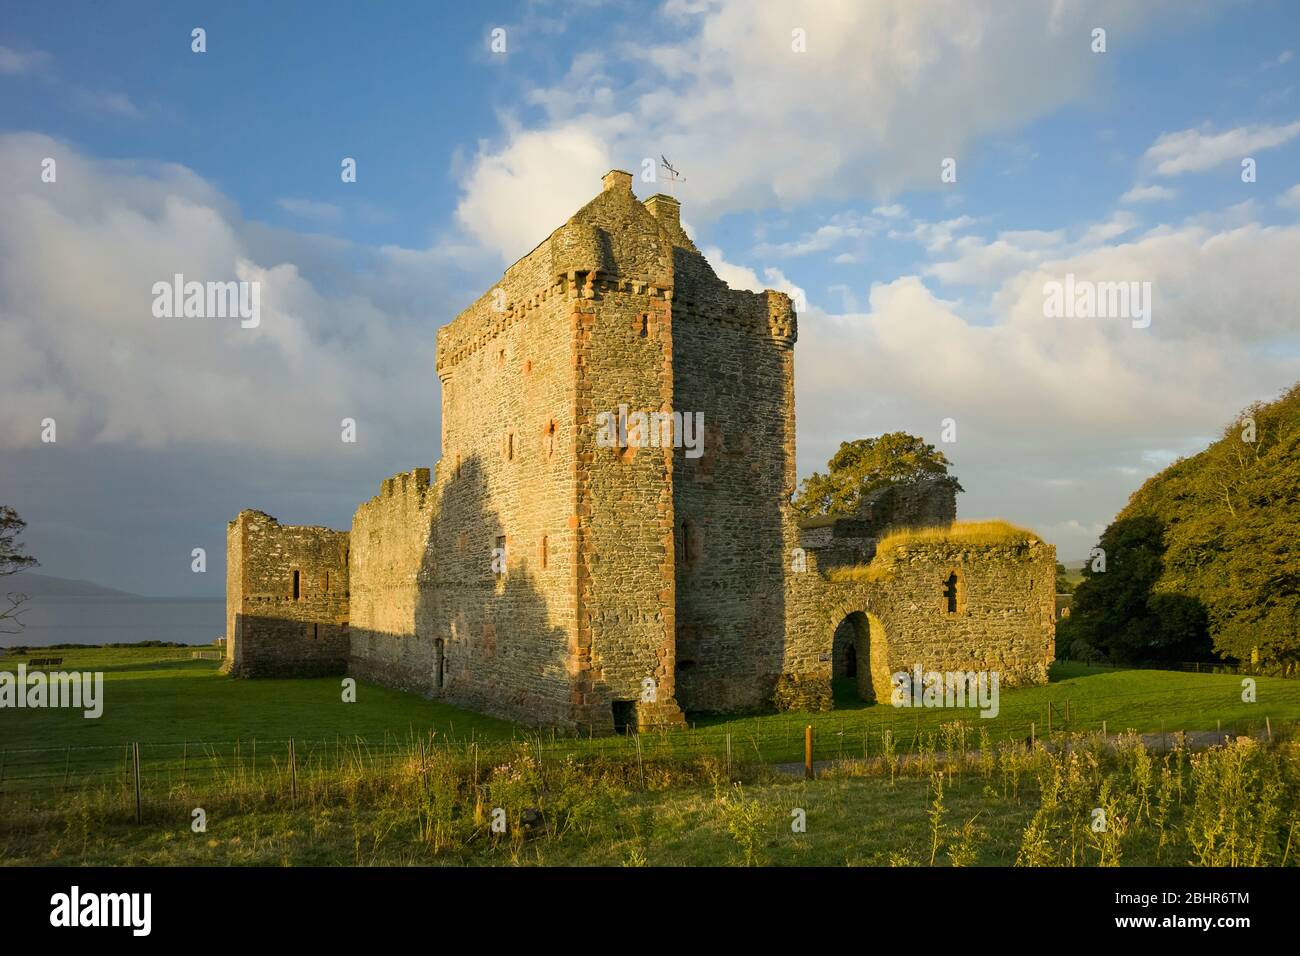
{"x": 1063, "y": 583}
{"x": 1205, "y": 557}
{"x": 862, "y": 466}
{"x": 12, "y": 560}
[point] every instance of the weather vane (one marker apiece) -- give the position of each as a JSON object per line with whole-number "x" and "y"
{"x": 673, "y": 176}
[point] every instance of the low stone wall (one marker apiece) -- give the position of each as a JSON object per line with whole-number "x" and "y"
{"x": 945, "y": 605}
{"x": 286, "y": 600}
{"x": 391, "y": 573}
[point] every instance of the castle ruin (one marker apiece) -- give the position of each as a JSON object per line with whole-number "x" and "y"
{"x": 542, "y": 574}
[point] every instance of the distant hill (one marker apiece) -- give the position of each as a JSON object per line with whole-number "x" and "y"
{"x": 47, "y": 585}
{"x": 1204, "y": 560}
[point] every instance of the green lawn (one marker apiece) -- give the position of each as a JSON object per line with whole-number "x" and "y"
{"x": 150, "y": 698}
{"x": 175, "y": 706}
{"x": 359, "y": 789}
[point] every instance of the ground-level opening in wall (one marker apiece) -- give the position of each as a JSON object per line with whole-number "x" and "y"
{"x": 858, "y": 667}
{"x": 624, "y": 716}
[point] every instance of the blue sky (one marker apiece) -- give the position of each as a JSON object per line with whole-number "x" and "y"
{"x": 812, "y": 171}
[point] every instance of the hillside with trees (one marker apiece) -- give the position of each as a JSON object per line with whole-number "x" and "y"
{"x": 1204, "y": 561}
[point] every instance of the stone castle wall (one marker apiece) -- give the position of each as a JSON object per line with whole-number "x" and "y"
{"x": 732, "y": 361}
{"x": 622, "y": 566}
{"x": 391, "y": 572}
{"x": 286, "y": 598}
{"x": 1005, "y": 608}
{"x": 1003, "y": 621}
{"x": 507, "y": 480}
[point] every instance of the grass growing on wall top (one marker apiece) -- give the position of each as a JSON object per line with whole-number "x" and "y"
{"x": 972, "y": 533}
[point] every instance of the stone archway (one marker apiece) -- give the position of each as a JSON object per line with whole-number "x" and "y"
{"x": 859, "y": 650}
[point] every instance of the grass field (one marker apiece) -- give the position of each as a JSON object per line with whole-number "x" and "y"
{"x": 186, "y": 717}
{"x": 370, "y": 784}
{"x": 154, "y": 699}
{"x": 1230, "y": 806}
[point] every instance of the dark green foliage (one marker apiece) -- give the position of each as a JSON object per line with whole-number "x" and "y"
{"x": 862, "y": 466}
{"x": 1205, "y": 557}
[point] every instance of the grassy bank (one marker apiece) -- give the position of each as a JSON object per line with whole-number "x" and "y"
{"x": 997, "y": 805}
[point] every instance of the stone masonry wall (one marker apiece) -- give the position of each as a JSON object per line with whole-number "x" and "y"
{"x": 270, "y": 630}
{"x": 732, "y": 361}
{"x": 623, "y": 325}
{"x": 1004, "y": 619}
{"x": 508, "y": 477}
{"x": 391, "y": 572}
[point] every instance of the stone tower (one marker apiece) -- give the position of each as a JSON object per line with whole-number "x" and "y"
{"x": 639, "y": 580}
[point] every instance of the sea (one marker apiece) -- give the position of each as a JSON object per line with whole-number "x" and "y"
{"x": 60, "y": 619}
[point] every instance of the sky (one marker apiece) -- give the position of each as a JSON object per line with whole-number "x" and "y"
{"x": 813, "y": 139}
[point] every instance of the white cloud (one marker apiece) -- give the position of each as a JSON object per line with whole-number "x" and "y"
{"x": 1148, "y": 194}
{"x": 1118, "y": 224}
{"x": 842, "y": 228}
{"x": 935, "y": 236}
{"x": 79, "y": 342}
{"x": 514, "y": 198}
{"x": 1196, "y": 150}
{"x": 885, "y": 91}
{"x": 1291, "y": 198}
{"x": 1039, "y": 401}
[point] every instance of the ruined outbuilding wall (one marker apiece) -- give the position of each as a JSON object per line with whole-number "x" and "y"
{"x": 1004, "y": 619}
{"x": 270, "y": 631}
{"x": 391, "y": 573}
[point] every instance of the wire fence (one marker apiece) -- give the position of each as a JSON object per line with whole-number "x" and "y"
{"x": 277, "y": 767}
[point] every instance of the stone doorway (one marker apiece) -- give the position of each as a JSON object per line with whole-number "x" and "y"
{"x": 858, "y": 658}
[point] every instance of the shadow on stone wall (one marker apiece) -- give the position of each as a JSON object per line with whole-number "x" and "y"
{"x": 731, "y": 549}
{"x": 502, "y": 654}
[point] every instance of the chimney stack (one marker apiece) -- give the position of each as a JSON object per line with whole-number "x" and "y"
{"x": 617, "y": 179}
{"x": 666, "y": 209}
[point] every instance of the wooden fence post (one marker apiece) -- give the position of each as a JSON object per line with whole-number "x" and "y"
{"x": 139, "y": 809}
{"x": 807, "y": 752}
